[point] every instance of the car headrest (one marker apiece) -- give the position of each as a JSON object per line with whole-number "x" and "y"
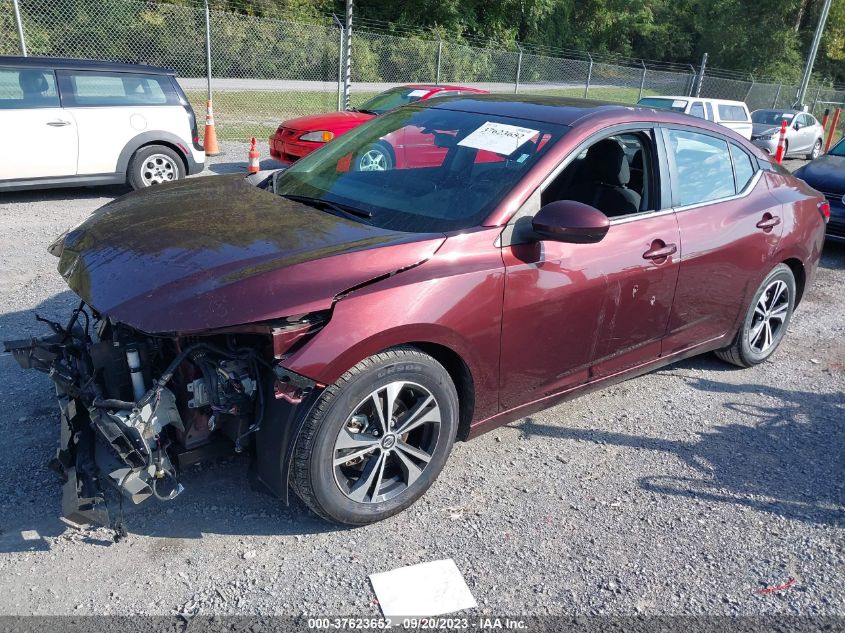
{"x": 33, "y": 82}
{"x": 637, "y": 160}
{"x": 606, "y": 163}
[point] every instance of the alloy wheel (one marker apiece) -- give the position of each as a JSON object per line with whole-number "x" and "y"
{"x": 817, "y": 149}
{"x": 769, "y": 317}
{"x": 387, "y": 442}
{"x": 373, "y": 160}
{"x": 158, "y": 168}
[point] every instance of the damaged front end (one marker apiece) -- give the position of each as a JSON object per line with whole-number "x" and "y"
{"x": 135, "y": 408}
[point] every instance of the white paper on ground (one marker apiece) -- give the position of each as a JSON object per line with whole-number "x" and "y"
{"x": 418, "y": 93}
{"x": 426, "y": 589}
{"x": 498, "y": 137}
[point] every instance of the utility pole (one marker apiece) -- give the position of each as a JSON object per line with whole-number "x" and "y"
{"x": 347, "y": 77}
{"x": 19, "y": 22}
{"x": 811, "y": 58}
{"x": 701, "y": 75}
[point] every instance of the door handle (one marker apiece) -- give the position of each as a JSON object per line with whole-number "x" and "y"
{"x": 659, "y": 250}
{"x": 58, "y": 123}
{"x": 768, "y": 222}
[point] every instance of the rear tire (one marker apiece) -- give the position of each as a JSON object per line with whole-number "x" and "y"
{"x": 766, "y": 322}
{"x": 153, "y": 165}
{"x": 817, "y": 149}
{"x": 352, "y": 462}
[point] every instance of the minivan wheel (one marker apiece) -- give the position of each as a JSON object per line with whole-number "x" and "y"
{"x": 377, "y": 438}
{"x": 154, "y": 165}
{"x": 817, "y": 149}
{"x": 766, "y": 322}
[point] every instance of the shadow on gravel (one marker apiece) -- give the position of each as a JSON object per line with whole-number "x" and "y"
{"x": 785, "y": 458}
{"x": 64, "y": 193}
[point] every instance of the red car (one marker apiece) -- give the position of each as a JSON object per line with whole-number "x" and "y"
{"x": 347, "y": 326}
{"x": 296, "y": 138}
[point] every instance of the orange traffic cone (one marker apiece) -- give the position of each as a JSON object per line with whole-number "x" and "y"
{"x": 253, "y": 167}
{"x": 781, "y": 142}
{"x": 210, "y": 140}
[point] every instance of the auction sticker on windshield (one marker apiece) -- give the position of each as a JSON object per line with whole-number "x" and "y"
{"x": 418, "y": 93}
{"x": 498, "y": 137}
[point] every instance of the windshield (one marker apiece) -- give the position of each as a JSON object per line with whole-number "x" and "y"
{"x": 393, "y": 98}
{"x": 770, "y": 117}
{"x": 661, "y": 103}
{"x": 422, "y": 169}
{"x": 838, "y": 149}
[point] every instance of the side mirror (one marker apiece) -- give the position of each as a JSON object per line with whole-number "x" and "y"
{"x": 797, "y": 125}
{"x": 570, "y": 221}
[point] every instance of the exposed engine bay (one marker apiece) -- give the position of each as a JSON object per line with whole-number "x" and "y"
{"x": 135, "y": 408}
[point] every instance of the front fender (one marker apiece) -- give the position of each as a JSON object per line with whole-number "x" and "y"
{"x": 454, "y": 301}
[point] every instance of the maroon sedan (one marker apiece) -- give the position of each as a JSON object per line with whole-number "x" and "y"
{"x": 347, "y": 326}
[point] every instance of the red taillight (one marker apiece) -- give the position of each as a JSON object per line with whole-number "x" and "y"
{"x": 824, "y": 209}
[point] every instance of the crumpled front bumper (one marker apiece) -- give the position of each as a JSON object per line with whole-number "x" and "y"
{"x": 83, "y": 499}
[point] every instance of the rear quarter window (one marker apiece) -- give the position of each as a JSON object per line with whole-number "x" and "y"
{"x": 732, "y": 113}
{"x": 98, "y": 89}
{"x": 27, "y": 88}
{"x": 743, "y": 167}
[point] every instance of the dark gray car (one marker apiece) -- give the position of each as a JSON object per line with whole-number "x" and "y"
{"x": 804, "y": 134}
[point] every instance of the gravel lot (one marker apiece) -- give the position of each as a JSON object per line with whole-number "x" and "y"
{"x": 685, "y": 491}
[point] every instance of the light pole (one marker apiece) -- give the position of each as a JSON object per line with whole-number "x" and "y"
{"x": 811, "y": 58}
{"x": 19, "y": 22}
{"x": 210, "y": 139}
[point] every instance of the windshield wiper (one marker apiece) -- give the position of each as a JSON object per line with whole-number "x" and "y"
{"x": 334, "y": 207}
{"x": 363, "y": 111}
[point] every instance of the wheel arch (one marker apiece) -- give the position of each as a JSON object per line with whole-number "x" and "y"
{"x": 146, "y": 139}
{"x": 797, "y": 268}
{"x": 461, "y": 376}
{"x": 442, "y": 344}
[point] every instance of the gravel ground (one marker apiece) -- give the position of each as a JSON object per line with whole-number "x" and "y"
{"x": 685, "y": 491}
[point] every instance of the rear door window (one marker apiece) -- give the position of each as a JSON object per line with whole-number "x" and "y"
{"x": 97, "y": 89}
{"x": 703, "y": 165}
{"x": 26, "y": 88}
{"x": 729, "y": 112}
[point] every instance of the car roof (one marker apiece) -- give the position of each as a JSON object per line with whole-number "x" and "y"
{"x": 571, "y": 111}
{"x": 690, "y": 98}
{"x": 442, "y": 87}
{"x": 68, "y": 63}
{"x": 784, "y": 110}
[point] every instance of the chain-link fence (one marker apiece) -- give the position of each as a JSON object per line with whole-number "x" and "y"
{"x": 266, "y": 70}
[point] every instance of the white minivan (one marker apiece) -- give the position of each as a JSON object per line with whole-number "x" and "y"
{"x": 731, "y": 114}
{"x": 66, "y": 122}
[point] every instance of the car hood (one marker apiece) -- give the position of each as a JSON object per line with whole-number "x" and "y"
{"x": 759, "y": 129}
{"x": 826, "y": 173}
{"x": 214, "y": 252}
{"x": 332, "y": 121}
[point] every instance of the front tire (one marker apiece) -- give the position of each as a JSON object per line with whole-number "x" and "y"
{"x": 377, "y": 438}
{"x": 766, "y": 322}
{"x": 154, "y": 165}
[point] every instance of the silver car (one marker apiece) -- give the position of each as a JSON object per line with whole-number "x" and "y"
{"x": 804, "y": 135}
